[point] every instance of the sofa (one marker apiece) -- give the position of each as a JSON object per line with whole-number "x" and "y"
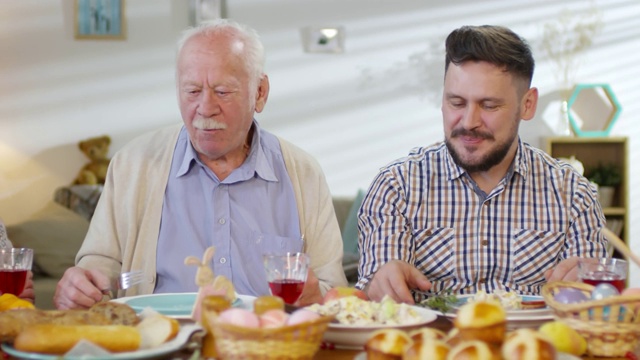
{"x": 57, "y": 231}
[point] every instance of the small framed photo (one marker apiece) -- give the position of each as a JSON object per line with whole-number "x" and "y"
{"x": 100, "y": 19}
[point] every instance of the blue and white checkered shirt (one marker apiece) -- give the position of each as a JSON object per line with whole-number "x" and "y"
{"x": 424, "y": 209}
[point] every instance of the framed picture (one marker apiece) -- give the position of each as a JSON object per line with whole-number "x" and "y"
{"x": 203, "y": 10}
{"x": 100, "y": 19}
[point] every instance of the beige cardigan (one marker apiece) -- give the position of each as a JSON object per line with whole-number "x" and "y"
{"x": 123, "y": 233}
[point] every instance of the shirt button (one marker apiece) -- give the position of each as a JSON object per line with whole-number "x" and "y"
{"x": 484, "y": 242}
{"x": 222, "y": 221}
{"x": 223, "y": 260}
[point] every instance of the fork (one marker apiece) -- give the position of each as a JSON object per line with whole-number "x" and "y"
{"x": 124, "y": 281}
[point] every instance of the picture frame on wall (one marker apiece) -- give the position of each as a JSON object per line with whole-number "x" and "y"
{"x": 100, "y": 19}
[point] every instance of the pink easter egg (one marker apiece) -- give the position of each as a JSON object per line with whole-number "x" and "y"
{"x": 302, "y": 315}
{"x": 273, "y": 318}
{"x": 239, "y": 317}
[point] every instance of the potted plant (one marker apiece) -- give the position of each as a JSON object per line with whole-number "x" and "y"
{"x": 608, "y": 177}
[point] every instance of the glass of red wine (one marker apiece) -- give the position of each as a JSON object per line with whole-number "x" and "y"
{"x": 605, "y": 270}
{"x": 14, "y": 265}
{"x": 286, "y": 275}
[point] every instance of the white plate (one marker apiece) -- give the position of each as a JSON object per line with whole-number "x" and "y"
{"x": 176, "y": 305}
{"x": 561, "y": 356}
{"x": 516, "y": 319}
{"x": 352, "y": 336}
{"x": 159, "y": 352}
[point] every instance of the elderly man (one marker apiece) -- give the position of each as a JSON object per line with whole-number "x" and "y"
{"x": 218, "y": 180}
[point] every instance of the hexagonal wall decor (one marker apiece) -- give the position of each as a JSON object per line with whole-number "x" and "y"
{"x": 593, "y": 110}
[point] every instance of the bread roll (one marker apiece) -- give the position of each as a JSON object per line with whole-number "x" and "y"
{"x": 474, "y": 350}
{"x": 59, "y": 339}
{"x": 387, "y": 344}
{"x": 427, "y": 349}
{"x": 527, "y": 344}
{"x": 482, "y": 320}
{"x": 156, "y": 329}
{"x": 13, "y": 322}
{"x": 427, "y": 333}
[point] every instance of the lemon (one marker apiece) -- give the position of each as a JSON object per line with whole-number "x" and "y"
{"x": 564, "y": 338}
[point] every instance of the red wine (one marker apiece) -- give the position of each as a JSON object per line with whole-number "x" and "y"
{"x": 12, "y": 281}
{"x": 598, "y": 277}
{"x": 288, "y": 290}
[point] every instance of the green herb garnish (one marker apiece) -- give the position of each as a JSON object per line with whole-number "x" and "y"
{"x": 441, "y": 302}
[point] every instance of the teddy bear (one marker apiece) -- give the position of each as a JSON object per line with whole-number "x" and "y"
{"x": 95, "y": 172}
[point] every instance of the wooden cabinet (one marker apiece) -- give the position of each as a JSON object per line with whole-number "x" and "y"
{"x": 592, "y": 151}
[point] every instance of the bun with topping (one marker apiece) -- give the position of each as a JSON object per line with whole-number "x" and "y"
{"x": 429, "y": 348}
{"x": 387, "y": 344}
{"x": 527, "y": 344}
{"x": 483, "y": 320}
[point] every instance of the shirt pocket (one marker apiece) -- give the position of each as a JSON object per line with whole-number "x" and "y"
{"x": 275, "y": 244}
{"x": 534, "y": 252}
{"x": 434, "y": 250}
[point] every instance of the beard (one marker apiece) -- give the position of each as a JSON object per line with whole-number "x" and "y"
{"x": 495, "y": 155}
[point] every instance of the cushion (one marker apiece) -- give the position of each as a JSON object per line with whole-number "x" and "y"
{"x": 55, "y": 234}
{"x": 350, "y": 230}
{"x": 82, "y": 199}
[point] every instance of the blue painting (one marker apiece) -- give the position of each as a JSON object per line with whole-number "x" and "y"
{"x": 100, "y": 19}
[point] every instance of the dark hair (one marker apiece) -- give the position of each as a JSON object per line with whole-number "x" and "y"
{"x": 494, "y": 44}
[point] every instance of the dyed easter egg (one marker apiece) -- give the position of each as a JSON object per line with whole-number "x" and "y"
{"x": 570, "y": 296}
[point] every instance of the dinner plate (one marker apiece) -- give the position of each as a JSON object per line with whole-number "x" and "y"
{"x": 561, "y": 356}
{"x": 355, "y": 336}
{"x": 158, "y": 352}
{"x": 177, "y": 305}
{"x": 513, "y": 314}
{"x": 516, "y": 319}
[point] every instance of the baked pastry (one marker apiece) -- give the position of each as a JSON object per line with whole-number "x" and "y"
{"x": 475, "y": 350}
{"x": 483, "y": 320}
{"x": 387, "y": 344}
{"x": 116, "y": 313}
{"x": 527, "y": 344}
{"x": 428, "y": 349}
{"x": 427, "y": 333}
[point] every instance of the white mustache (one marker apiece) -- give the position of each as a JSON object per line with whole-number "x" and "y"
{"x": 208, "y": 124}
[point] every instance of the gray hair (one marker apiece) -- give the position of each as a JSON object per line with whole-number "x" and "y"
{"x": 253, "y": 50}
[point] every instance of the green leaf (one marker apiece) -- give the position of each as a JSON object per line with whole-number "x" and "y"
{"x": 442, "y": 302}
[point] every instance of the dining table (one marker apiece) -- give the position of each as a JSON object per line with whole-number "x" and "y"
{"x": 329, "y": 352}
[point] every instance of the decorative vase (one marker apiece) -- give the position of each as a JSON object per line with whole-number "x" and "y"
{"x": 605, "y": 195}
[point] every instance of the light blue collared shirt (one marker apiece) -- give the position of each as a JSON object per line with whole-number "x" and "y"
{"x": 250, "y": 213}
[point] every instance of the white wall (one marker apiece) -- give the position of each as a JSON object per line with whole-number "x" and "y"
{"x": 354, "y": 111}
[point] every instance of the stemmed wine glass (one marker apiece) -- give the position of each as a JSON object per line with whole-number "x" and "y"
{"x": 286, "y": 274}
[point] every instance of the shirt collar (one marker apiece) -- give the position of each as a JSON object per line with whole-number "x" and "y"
{"x": 257, "y": 162}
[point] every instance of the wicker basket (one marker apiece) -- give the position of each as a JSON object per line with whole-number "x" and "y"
{"x": 611, "y": 326}
{"x": 300, "y": 341}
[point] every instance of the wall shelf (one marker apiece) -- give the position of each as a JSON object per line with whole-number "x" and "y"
{"x": 592, "y": 151}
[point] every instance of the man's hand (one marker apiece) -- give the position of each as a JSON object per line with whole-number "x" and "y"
{"x": 80, "y": 288}
{"x": 396, "y": 278}
{"x": 311, "y": 293}
{"x": 565, "y": 270}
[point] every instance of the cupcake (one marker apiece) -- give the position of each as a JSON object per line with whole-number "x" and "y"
{"x": 475, "y": 350}
{"x": 527, "y": 344}
{"x": 387, "y": 344}
{"x": 484, "y": 320}
{"x": 429, "y": 348}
